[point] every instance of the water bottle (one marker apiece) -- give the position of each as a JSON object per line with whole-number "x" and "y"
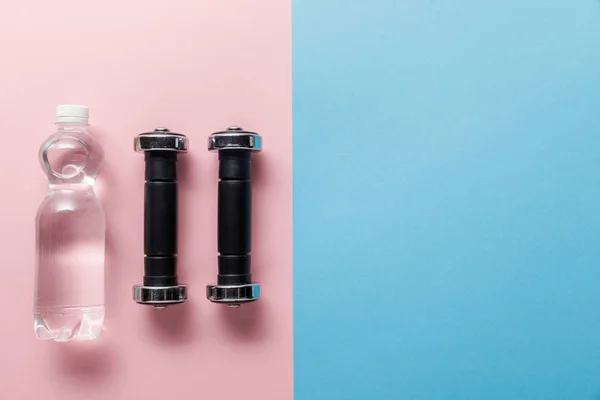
{"x": 70, "y": 234}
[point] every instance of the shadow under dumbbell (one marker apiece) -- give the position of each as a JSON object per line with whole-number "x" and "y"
{"x": 172, "y": 324}
{"x": 244, "y": 323}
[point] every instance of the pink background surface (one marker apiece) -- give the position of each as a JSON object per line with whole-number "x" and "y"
{"x": 195, "y": 67}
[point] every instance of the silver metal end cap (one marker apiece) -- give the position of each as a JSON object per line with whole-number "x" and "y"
{"x": 235, "y": 138}
{"x": 161, "y": 139}
{"x": 159, "y": 296}
{"x": 233, "y": 294}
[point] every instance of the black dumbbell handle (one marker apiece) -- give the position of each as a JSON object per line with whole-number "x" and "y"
{"x": 160, "y": 219}
{"x": 234, "y": 215}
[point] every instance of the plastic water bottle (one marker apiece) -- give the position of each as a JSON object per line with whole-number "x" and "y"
{"x": 70, "y": 234}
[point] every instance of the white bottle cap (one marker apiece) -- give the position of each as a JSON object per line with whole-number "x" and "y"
{"x": 72, "y": 113}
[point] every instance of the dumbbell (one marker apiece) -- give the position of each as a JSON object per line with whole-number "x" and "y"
{"x": 160, "y": 286}
{"x": 235, "y": 147}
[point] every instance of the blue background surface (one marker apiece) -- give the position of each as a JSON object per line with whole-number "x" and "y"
{"x": 447, "y": 201}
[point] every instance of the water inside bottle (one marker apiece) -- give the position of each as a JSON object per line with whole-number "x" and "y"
{"x": 69, "y": 297}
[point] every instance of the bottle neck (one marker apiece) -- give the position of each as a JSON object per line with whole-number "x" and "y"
{"x": 71, "y": 123}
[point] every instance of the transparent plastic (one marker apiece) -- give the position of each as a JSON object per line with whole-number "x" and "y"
{"x": 70, "y": 238}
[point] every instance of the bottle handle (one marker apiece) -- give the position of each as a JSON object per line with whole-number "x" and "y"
{"x": 74, "y": 170}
